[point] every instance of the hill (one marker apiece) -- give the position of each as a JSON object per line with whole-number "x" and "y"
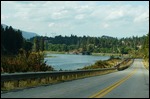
{"x": 25, "y": 34}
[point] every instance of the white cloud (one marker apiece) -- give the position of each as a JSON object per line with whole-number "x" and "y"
{"x": 83, "y": 8}
{"x": 59, "y": 14}
{"x": 51, "y": 24}
{"x": 80, "y": 16}
{"x": 115, "y": 15}
{"x": 58, "y": 25}
{"x": 142, "y": 17}
{"x": 68, "y": 16}
{"x": 106, "y": 25}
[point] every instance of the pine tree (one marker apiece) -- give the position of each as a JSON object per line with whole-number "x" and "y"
{"x": 42, "y": 44}
{"x": 36, "y": 46}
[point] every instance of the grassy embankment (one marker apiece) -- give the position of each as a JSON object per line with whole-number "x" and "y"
{"x": 105, "y": 54}
{"x": 125, "y": 64}
{"x": 111, "y": 54}
{"x": 146, "y": 63}
{"x": 103, "y": 64}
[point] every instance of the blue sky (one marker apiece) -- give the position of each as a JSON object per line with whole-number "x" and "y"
{"x": 89, "y": 18}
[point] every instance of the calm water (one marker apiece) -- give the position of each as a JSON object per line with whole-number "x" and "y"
{"x": 72, "y": 62}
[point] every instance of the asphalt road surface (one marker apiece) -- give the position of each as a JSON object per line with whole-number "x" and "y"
{"x": 129, "y": 83}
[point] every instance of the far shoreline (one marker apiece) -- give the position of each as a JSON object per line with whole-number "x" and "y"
{"x": 93, "y": 54}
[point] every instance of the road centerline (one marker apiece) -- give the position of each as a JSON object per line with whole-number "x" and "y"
{"x": 108, "y": 89}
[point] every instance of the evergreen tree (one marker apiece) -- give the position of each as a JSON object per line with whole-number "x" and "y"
{"x": 42, "y": 44}
{"x": 11, "y": 40}
{"x": 36, "y": 46}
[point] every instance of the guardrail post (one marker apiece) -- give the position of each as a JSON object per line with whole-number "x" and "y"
{"x": 2, "y": 84}
{"x": 16, "y": 83}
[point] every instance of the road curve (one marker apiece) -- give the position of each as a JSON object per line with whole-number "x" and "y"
{"x": 130, "y": 83}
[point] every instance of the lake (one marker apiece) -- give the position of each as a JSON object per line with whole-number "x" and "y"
{"x": 72, "y": 62}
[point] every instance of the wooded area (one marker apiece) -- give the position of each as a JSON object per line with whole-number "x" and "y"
{"x": 135, "y": 46}
{"x": 19, "y": 54}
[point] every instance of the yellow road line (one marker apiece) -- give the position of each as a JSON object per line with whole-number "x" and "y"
{"x": 111, "y": 87}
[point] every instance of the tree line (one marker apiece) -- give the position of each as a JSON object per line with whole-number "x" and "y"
{"x": 103, "y": 44}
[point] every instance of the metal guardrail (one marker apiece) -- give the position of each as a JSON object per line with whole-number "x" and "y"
{"x": 34, "y": 75}
{"x": 126, "y": 60}
{"x": 50, "y": 76}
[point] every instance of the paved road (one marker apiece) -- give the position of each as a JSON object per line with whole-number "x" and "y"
{"x": 130, "y": 83}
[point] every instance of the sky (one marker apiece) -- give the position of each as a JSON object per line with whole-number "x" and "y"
{"x": 89, "y": 18}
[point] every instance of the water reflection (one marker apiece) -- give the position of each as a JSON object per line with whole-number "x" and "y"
{"x": 72, "y": 62}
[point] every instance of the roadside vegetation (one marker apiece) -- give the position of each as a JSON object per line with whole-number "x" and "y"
{"x": 146, "y": 63}
{"x": 145, "y": 52}
{"x": 23, "y": 63}
{"x": 19, "y": 54}
{"x": 103, "y": 64}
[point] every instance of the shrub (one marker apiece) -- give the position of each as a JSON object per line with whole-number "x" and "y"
{"x": 24, "y": 62}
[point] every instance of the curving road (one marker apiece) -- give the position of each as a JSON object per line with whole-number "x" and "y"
{"x": 130, "y": 83}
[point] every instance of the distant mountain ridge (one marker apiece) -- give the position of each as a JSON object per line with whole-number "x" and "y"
{"x": 25, "y": 34}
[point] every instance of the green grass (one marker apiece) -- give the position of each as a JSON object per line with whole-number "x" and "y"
{"x": 103, "y": 64}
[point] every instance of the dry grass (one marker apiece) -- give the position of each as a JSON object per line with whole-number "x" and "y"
{"x": 125, "y": 65}
{"x": 114, "y": 62}
{"x": 10, "y": 85}
{"x": 146, "y": 64}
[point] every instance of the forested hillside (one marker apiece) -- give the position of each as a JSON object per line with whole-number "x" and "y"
{"x": 104, "y": 44}
{"x": 25, "y": 34}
